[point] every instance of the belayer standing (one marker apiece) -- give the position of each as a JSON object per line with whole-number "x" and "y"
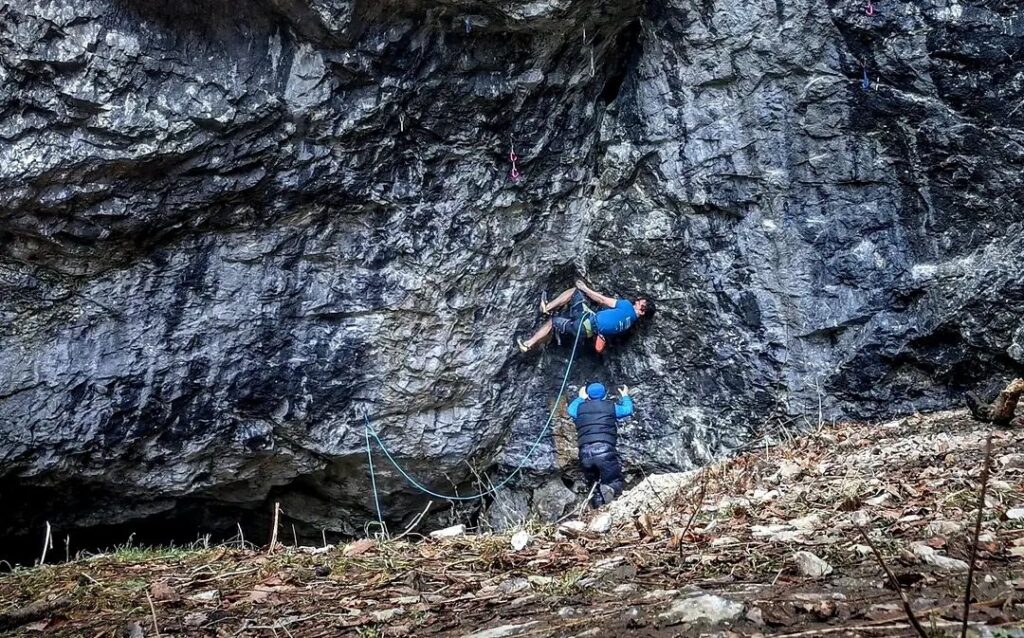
{"x": 596, "y": 435}
{"x": 616, "y": 316}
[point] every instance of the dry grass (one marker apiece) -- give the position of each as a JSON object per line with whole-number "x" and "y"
{"x": 715, "y": 534}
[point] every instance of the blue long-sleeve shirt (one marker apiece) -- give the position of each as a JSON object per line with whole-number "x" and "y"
{"x": 623, "y": 407}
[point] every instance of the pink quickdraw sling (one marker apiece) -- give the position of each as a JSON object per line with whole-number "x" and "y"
{"x": 870, "y": 9}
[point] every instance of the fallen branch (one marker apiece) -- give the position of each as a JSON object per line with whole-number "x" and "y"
{"x": 977, "y": 533}
{"x": 31, "y": 612}
{"x": 1003, "y": 407}
{"x": 895, "y": 585}
{"x": 152, "y": 610}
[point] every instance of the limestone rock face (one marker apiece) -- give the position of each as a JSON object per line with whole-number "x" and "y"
{"x": 228, "y": 229}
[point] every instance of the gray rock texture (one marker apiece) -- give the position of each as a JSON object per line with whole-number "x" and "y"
{"x": 229, "y": 228}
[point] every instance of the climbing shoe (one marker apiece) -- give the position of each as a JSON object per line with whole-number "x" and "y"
{"x": 607, "y": 494}
{"x": 522, "y": 346}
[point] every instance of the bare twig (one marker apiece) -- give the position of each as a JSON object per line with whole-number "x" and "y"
{"x": 895, "y": 584}
{"x": 152, "y": 610}
{"x": 577, "y": 512}
{"x": 977, "y": 533}
{"x": 697, "y": 503}
{"x": 415, "y": 522}
{"x": 47, "y": 543}
{"x": 273, "y": 532}
{"x": 777, "y": 575}
{"x": 484, "y": 488}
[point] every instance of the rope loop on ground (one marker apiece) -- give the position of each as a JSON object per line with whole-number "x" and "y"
{"x": 371, "y": 433}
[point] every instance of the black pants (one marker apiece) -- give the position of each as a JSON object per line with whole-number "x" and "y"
{"x": 601, "y": 465}
{"x": 567, "y": 325}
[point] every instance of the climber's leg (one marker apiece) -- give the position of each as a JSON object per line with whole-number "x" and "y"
{"x": 592, "y": 475}
{"x": 611, "y": 471}
{"x": 601, "y": 465}
{"x": 566, "y": 326}
{"x": 558, "y": 301}
{"x": 542, "y": 333}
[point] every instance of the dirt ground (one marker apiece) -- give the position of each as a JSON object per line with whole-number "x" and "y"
{"x": 708, "y": 553}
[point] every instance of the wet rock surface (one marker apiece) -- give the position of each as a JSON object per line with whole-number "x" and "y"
{"x": 229, "y": 230}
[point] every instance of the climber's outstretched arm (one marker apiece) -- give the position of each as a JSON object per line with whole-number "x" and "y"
{"x": 607, "y": 302}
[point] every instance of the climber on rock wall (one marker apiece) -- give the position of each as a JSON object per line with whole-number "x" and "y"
{"x": 616, "y": 317}
{"x": 596, "y": 436}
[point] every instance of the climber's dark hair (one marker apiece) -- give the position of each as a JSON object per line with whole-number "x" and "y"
{"x": 648, "y": 308}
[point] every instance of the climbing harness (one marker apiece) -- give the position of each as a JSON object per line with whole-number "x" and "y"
{"x": 370, "y": 432}
{"x": 865, "y": 82}
{"x": 587, "y": 320}
{"x": 870, "y": 9}
{"x": 514, "y": 174}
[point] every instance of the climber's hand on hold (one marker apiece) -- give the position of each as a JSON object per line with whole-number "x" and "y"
{"x": 624, "y": 391}
{"x": 583, "y": 392}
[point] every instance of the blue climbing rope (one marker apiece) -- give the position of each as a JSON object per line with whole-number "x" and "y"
{"x": 373, "y": 481}
{"x": 453, "y": 497}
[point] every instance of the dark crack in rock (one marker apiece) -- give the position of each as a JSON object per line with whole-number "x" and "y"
{"x": 229, "y": 229}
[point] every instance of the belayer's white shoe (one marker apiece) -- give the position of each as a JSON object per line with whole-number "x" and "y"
{"x": 522, "y": 346}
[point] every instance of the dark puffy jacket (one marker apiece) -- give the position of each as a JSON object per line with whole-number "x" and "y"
{"x": 595, "y": 423}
